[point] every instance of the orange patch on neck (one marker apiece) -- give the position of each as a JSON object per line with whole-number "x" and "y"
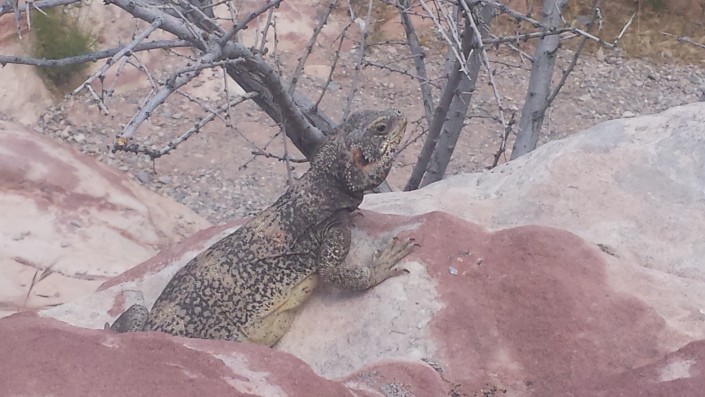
{"x": 359, "y": 159}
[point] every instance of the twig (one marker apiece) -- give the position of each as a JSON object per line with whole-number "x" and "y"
{"x": 201, "y": 104}
{"x": 451, "y": 43}
{"x": 123, "y": 145}
{"x": 358, "y": 66}
{"x": 176, "y": 81}
{"x": 277, "y": 61}
{"x": 624, "y": 29}
{"x": 187, "y": 23}
{"x": 684, "y": 39}
{"x": 537, "y": 24}
{"x": 92, "y": 56}
{"x": 418, "y": 57}
{"x": 265, "y": 31}
{"x": 503, "y": 8}
{"x": 9, "y": 7}
{"x": 502, "y": 150}
{"x": 576, "y": 55}
{"x": 136, "y": 40}
{"x": 140, "y": 66}
{"x": 99, "y": 100}
{"x": 309, "y": 46}
{"x": 485, "y": 59}
{"x": 280, "y": 158}
{"x": 412, "y": 139}
{"x": 525, "y": 36}
{"x": 400, "y": 71}
{"x": 250, "y": 17}
{"x": 336, "y": 57}
{"x": 37, "y": 278}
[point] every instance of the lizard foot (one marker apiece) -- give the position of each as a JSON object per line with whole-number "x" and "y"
{"x": 134, "y": 319}
{"x": 385, "y": 260}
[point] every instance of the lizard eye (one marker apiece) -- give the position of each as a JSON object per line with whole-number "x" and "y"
{"x": 381, "y": 128}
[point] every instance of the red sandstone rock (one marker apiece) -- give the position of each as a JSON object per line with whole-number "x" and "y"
{"x": 68, "y": 212}
{"x": 520, "y": 312}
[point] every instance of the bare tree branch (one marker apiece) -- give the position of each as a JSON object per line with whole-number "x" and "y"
{"x": 456, "y": 74}
{"x": 323, "y": 19}
{"x": 280, "y": 158}
{"x": 269, "y": 86}
{"x": 624, "y": 29}
{"x": 336, "y": 57}
{"x": 358, "y": 66}
{"x": 400, "y": 71}
{"x": 503, "y": 142}
{"x": 576, "y": 55}
{"x": 8, "y": 7}
{"x": 92, "y": 56}
{"x": 176, "y": 81}
{"x": 460, "y": 103}
{"x": 418, "y": 57}
{"x": 136, "y": 40}
{"x": 123, "y": 145}
{"x": 684, "y": 39}
{"x": 268, "y": 4}
{"x": 539, "y": 83}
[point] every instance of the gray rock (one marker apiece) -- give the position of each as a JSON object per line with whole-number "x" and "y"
{"x": 143, "y": 176}
{"x": 79, "y": 137}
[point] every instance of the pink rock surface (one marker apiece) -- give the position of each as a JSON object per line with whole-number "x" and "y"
{"x": 680, "y": 373}
{"x": 47, "y": 357}
{"x": 74, "y": 218}
{"x": 516, "y": 311}
{"x": 527, "y": 311}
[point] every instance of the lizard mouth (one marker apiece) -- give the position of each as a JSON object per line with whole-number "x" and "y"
{"x": 390, "y": 144}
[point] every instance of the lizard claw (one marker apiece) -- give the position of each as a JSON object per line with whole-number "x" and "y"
{"x": 387, "y": 258}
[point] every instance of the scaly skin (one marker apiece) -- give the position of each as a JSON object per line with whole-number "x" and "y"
{"x": 247, "y": 285}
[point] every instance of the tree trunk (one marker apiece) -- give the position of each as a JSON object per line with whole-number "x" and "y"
{"x": 305, "y": 139}
{"x": 539, "y": 82}
{"x": 455, "y": 75}
{"x": 458, "y": 109}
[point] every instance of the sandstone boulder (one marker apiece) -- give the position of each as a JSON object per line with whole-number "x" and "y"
{"x": 571, "y": 271}
{"x": 70, "y": 222}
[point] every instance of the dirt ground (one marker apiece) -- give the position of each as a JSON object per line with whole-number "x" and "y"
{"x": 216, "y": 174}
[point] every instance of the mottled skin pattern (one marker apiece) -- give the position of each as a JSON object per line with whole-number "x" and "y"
{"x": 245, "y": 287}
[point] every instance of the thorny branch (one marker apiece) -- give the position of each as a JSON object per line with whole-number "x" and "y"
{"x": 137, "y": 39}
{"x": 336, "y": 57}
{"x": 595, "y": 17}
{"x": 176, "y": 81}
{"x": 309, "y": 46}
{"x": 503, "y": 142}
{"x": 124, "y": 145}
{"x": 12, "y": 6}
{"x": 418, "y": 57}
{"x": 362, "y": 48}
{"x": 486, "y": 61}
{"x": 684, "y": 39}
{"x": 195, "y": 26}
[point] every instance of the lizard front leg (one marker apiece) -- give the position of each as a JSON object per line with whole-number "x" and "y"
{"x": 334, "y": 270}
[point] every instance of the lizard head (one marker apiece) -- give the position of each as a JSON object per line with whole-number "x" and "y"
{"x": 369, "y": 141}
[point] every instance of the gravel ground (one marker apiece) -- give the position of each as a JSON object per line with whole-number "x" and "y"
{"x": 215, "y": 174}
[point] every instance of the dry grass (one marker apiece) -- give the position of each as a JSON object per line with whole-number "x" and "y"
{"x": 642, "y": 40}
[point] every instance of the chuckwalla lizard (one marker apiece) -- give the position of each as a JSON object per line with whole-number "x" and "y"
{"x": 246, "y": 286}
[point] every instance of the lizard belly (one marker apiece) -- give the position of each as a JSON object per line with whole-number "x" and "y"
{"x": 269, "y": 328}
